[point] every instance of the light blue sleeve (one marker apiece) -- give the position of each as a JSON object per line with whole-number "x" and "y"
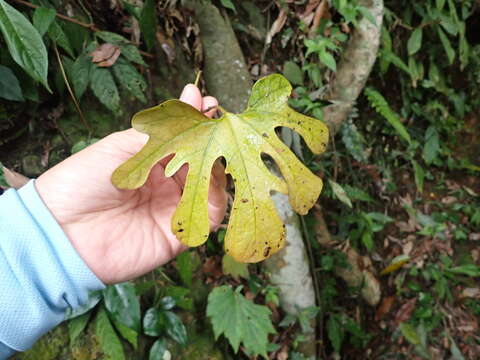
{"x": 41, "y": 274}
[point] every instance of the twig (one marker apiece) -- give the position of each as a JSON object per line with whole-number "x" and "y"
{"x": 90, "y": 26}
{"x": 335, "y": 157}
{"x": 197, "y": 79}
{"x": 85, "y": 10}
{"x": 63, "y": 17}
{"x": 72, "y": 95}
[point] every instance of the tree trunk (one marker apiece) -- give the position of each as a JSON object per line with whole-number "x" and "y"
{"x": 355, "y": 66}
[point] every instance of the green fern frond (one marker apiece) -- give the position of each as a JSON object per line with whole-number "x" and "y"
{"x": 378, "y": 102}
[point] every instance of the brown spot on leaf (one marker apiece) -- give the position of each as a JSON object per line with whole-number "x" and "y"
{"x": 244, "y": 200}
{"x": 266, "y": 251}
{"x": 180, "y": 230}
{"x": 265, "y": 135}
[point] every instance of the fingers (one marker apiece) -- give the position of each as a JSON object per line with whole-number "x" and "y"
{"x": 209, "y": 102}
{"x": 217, "y": 195}
{"x": 192, "y": 96}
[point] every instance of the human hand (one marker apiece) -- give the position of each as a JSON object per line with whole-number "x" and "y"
{"x": 122, "y": 234}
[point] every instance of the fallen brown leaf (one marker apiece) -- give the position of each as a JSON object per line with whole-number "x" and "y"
{"x": 403, "y": 314}
{"x": 277, "y": 26}
{"x": 283, "y": 354}
{"x": 105, "y": 55}
{"x": 449, "y": 200}
{"x": 474, "y": 237}
{"x": 470, "y": 293}
{"x": 361, "y": 274}
{"x": 320, "y": 12}
{"x": 307, "y": 15}
{"x": 213, "y": 266}
{"x": 384, "y": 307}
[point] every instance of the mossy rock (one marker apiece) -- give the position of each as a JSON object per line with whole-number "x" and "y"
{"x": 52, "y": 346}
{"x": 199, "y": 347}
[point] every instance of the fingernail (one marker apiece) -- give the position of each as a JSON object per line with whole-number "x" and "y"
{"x": 187, "y": 91}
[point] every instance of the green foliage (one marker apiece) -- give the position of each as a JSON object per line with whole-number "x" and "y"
{"x": 42, "y": 19}
{"x": 324, "y": 46}
{"x": 187, "y": 264}
{"x": 432, "y": 148}
{"x": 80, "y": 74}
{"x": 24, "y": 43}
{"x": 161, "y": 321}
{"x": 29, "y": 51}
{"x": 240, "y": 320}
{"x": 446, "y": 45}
{"x": 158, "y": 350}
{"x": 77, "y": 325}
{"x": 107, "y": 338}
{"x": 228, "y": 4}
{"x": 381, "y": 106}
{"x": 340, "y": 193}
{"x": 148, "y": 23}
{"x": 233, "y": 268}
{"x": 415, "y": 41}
{"x": 104, "y": 88}
{"x": 339, "y": 327}
{"x": 293, "y": 73}
{"x": 304, "y": 318}
{"x": 9, "y": 85}
{"x": 93, "y": 299}
{"x": 350, "y": 10}
{"x": 181, "y": 296}
{"x": 128, "y": 76}
{"x": 362, "y": 226}
{"x": 122, "y": 305}
{"x": 354, "y": 141}
{"x": 58, "y": 36}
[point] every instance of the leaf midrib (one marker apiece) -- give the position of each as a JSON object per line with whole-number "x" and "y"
{"x": 244, "y": 167}
{"x": 212, "y": 136}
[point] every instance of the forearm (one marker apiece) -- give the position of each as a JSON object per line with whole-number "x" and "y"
{"x": 41, "y": 273}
